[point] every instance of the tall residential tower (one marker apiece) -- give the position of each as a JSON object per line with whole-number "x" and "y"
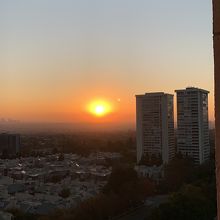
{"x": 155, "y": 126}
{"x": 193, "y": 124}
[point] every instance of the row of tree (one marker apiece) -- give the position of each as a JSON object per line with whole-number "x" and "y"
{"x": 192, "y": 192}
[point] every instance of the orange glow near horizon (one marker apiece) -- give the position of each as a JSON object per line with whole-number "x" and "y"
{"x": 99, "y": 108}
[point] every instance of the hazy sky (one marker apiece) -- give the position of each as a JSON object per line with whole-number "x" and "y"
{"x": 57, "y": 55}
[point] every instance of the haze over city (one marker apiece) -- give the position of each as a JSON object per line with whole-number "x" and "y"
{"x": 59, "y": 58}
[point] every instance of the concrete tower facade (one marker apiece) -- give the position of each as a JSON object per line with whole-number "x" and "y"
{"x": 216, "y": 36}
{"x": 155, "y": 126}
{"x": 193, "y": 124}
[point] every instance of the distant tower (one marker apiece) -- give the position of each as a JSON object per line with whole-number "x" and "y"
{"x": 193, "y": 124}
{"x": 155, "y": 126}
{"x": 9, "y": 143}
{"x": 216, "y": 33}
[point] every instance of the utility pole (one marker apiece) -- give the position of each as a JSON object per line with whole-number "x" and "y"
{"x": 216, "y": 39}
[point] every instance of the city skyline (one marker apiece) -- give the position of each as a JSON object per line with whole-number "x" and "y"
{"x": 110, "y": 109}
{"x": 56, "y": 58}
{"x": 155, "y": 134}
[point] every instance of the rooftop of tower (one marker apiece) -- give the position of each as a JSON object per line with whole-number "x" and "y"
{"x": 154, "y": 94}
{"x": 192, "y": 89}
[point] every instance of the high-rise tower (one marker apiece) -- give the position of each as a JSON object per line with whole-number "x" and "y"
{"x": 155, "y": 126}
{"x": 193, "y": 124}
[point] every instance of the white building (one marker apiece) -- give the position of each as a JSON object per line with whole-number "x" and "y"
{"x": 154, "y": 172}
{"x": 193, "y": 124}
{"x": 155, "y": 126}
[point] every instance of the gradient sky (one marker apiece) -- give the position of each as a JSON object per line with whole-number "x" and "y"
{"x": 57, "y": 55}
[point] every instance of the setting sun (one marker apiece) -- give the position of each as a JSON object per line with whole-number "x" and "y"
{"x": 99, "y": 108}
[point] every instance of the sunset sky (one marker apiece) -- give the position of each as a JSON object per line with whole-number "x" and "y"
{"x": 57, "y": 56}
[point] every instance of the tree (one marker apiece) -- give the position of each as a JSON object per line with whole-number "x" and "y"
{"x": 54, "y": 151}
{"x": 20, "y": 215}
{"x": 120, "y": 176}
{"x": 61, "y": 157}
{"x": 125, "y": 183}
{"x": 189, "y": 203}
{"x": 178, "y": 172}
{"x": 150, "y": 160}
{"x": 64, "y": 193}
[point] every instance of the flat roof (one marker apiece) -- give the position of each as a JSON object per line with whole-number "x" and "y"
{"x": 154, "y": 94}
{"x": 192, "y": 89}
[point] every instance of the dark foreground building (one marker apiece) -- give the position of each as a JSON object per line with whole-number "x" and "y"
{"x": 216, "y": 32}
{"x": 9, "y": 144}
